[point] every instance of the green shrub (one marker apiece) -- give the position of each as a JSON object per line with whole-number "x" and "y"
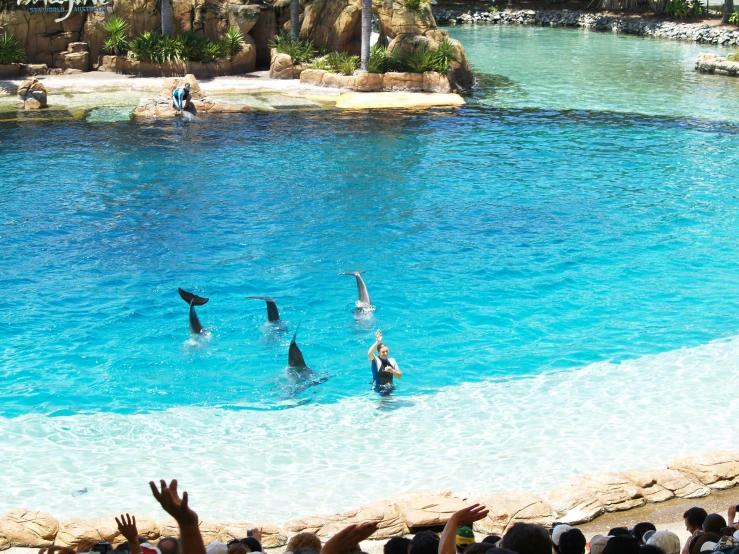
{"x": 419, "y": 61}
{"x": 117, "y": 41}
{"x": 337, "y": 62}
{"x": 492, "y": 9}
{"x": 414, "y": 4}
{"x": 158, "y": 48}
{"x": 380, "y": 61}
{"x": 733, "y": 57}
{"x": 10, "y": 50}
{"x": 734, "y": 18}
{"x": 685, "y": 8}
{"x": 233, "y": 42}
{"x": 298, "y": 49}
{"x": 445, "y": 56}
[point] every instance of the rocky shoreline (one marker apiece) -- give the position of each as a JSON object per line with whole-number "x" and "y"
{"x": 642, "y": 26}
{"x": 583, "y": 499}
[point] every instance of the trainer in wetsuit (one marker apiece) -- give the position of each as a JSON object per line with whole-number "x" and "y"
{"x": 383, "y": 368}
{"x": 181, "y": 97}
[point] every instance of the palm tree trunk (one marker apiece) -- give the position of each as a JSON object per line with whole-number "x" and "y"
{"x": 167, "y": 18}
{"x": 295, "y": 18}
{"x": 366, "y": 32}
{"x": 728, "y": 9}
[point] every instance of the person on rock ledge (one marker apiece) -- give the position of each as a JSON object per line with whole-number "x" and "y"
{"x": 181, "y": 98}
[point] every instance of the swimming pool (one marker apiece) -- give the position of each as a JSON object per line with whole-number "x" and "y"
{"x": 544, "y": 262}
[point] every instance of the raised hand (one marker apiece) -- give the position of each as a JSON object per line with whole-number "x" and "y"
{"x": 172, "y": 503}
{"x": 378, "y": 335}
{"x": 467, "y": 516}
{"x": 257, "y": 534}
{"x": 345, "y": 540}
{"x": 127, "y": 527}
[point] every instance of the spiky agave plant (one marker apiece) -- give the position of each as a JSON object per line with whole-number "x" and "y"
{"x": 117, "y": 41}
{"x": 10, "y": 50}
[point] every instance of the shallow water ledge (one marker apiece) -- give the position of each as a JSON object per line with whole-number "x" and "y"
{"x": 583, "y": 499}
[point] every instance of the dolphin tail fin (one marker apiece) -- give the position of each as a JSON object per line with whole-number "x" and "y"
{"x": 192, "y": 299}
{"x": 272, "y": 313}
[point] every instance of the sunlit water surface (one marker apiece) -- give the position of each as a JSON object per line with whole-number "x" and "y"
{"x": 554, "y": 266}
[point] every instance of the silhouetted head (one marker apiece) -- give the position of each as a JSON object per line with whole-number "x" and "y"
{"x": 305, "y": 540}
{"x": 527, "y": 538}
{"x": 650, "y": 549}
{"x": 169, "y": 545}
{"x": 622, "y": 544}
{"x": 396, "y": 545}
{"x": 424, "y": 542}
{"x": 572, "y": 542}
{"x": 618, "y": 531}
{"x": 714, "y": 523}
{"x": 694, "y": 519}
{"x": 641, "y": 528}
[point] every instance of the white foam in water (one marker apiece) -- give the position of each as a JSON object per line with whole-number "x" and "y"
{"x": 529, "y": 433}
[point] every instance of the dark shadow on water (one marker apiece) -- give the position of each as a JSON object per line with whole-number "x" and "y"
{"x": 391, "y": 403}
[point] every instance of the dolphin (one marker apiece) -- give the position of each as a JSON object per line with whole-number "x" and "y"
{"x": 194, "y": 300}
{"x": 272, "y": 313}
{"x": 294, "y": 355}
{"x": 364, "y": 297}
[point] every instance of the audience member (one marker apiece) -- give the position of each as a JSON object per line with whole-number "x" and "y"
{"x": 667, "y": 541}
{"x": 500, "y": 551}
{"x": 648, "y": 535}
{"x": 425, "y": 542}
{"x": 447, "y": 543}
{"x": 598, "y": 544}
{"x": 527, "y": 538}
{"x": 622, "y": 544}
{"x": 641, "y": 528}
{"x": 169, "y": 545}
{"x": 311, "y": 540}
{"x": 557, "y": 531}
{"x": 572, "y": 542}
{"x": 714, "y": 523}
{"x": 698, "y": 542}
{"x": 465, "y": 537}
{"x": 694, "y": 519}
{"x": 732, "y": 517}
{"x": 309, "y": 550}
{"x": 216, "y": 547}
{"x": 491, "y": 539}
{"x": 252, "y": 543}
{"x": 237, "y": 548}
{"x": 619, "y": 531}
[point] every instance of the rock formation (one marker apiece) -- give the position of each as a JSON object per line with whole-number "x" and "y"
{"x": 31, "y": 94}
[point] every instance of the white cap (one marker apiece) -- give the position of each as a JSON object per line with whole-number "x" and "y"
{"x": 558, "y": 531}
{"x": 708, "y": 546}
{"x": 216, "y": 547}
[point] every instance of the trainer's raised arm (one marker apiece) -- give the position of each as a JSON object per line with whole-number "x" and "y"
{"x": 371, "y": 351}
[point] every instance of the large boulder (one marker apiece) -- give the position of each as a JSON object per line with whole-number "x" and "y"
{"x": 272, "y": 536}
{"x": 718, "y": 470}
{"x": 74, "y": 530}
{"x": 385, "y": 513}
{"x": 507, "y": 508}
{"x": 32, "y": 96}
{"x": 460, "y": 72}
{"x": 243, "y": 17}
{"x": 27, "y": 528}
{"x": 586, "y": 497}
{"x": 245, "y": 61}
{"x": 411, "y": 82}
{"x": 663, "y": 484}
{"x": 396, "y": 19}
{"x": 427, "y": 508}
{"x": 210, "y": 530}
{"x": 331, "y": 23}
{"x": 281, "y": 66}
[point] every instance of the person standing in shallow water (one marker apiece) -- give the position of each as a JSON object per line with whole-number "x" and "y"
{"x": 383, "y": 368}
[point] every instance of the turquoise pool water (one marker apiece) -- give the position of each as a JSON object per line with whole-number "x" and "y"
{"x": 543, "y": 261}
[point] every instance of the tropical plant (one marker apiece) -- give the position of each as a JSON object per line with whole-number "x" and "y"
{"x": 298, "y": 49}
{"x": 493, "y": 9}
{"x": 117, "y": 41}
{"x": 444, "y": 56}
{"x": 337, "y": 62}
{"x": 734, "y": 18}
{"x": 11, "y": 50}
{"x": 414, "y": 4}
{"x": 233, "y": 42}
{"x": 380, "y": 61}
{"x": 157, "y": 48}
{"x": 685, "y": 8}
